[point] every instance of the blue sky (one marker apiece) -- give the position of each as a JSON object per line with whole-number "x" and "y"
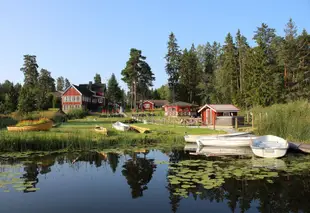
{"x": 76, "y": 39}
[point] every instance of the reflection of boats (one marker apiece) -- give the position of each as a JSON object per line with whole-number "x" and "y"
{"x": 225, "y": 141}
{"x": 101, "y": 130}
{"x": 194, "y": 138}
{"x": 223, "y": 151}
{"x": 269, "y": 146}
{"x": 139, "y": 129}
{"x": 120, "y": 126}
{"x": 269, "y": 163}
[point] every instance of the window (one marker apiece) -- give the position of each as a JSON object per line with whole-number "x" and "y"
{"x": 78, "y": 98}
{"x": 226, "y": 114}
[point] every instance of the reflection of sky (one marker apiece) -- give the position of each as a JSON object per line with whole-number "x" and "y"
{"x": 81, "y": 187}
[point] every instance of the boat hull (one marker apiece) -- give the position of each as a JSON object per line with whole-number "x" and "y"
{"x": 120, "y": 126}
{"x": 269, "y": 146}
{"x": 37, "y": 127}
{"x": 194, "y": 138}
{"x": 225, "y": 142}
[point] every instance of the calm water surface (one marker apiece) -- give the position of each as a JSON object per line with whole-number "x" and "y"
{"x": 139, "y": 182}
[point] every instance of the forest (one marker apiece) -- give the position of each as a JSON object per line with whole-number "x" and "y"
{"x": 274, "y": 70}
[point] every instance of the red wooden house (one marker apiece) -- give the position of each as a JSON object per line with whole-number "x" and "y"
{"x": 87, "y": 96}
{"x": 180, "y": 109}
{"x": 221, "y": 114}
{"x": 152, "y": 104}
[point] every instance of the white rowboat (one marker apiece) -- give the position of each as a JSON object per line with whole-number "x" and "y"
{"x": 226, "y": 141}
{"x": 120, "y": 126}
{"x": 269, "y": 146}
{"x": 194, "y": 138}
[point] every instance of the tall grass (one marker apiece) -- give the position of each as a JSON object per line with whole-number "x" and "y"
{"x": 290, "y": 121}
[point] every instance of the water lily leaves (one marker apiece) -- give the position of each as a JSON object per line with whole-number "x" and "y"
{"x": 185, "y": 186}
{"x": 32, "y": 189}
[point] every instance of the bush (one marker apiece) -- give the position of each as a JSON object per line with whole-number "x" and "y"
{"x": 77, "y": 113}
{"x": 7, "y": 121}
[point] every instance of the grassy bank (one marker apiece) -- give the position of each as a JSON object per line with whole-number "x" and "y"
{"x": 290, "y": 121}
{"x": 80, "y": 135}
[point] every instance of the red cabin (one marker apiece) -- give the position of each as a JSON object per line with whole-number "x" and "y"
{"x": 180, "y": 109}
{"x": 152, "y": 104}
{"x": 211, "y": 112}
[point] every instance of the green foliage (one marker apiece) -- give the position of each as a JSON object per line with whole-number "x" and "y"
{"x": 97, "y": 79}
{"x": 190, "y": 75}
{"x": 60, "y": 84}
{"x": 289, "y": 120}
{"x": 114, "y": 93}
{"x": 173, "y": 60}
{"x": 27, "y": 99}
{"x": 46, "y": 85}
{"x": 138, "y": 75}
{"x": 77, "y": 113}
{"x": 6, "y": 121}
{"x": 67, "y": 83}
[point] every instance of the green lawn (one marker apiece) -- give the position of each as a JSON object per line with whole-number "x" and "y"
{"x": 80, "y": 135}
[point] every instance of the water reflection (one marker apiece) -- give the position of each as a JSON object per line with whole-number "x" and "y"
{"x": 289, "y": 192}
{"x": 138, "y": 171}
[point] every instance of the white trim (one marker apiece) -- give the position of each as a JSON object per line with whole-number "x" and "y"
{"x": 69, "y": 88}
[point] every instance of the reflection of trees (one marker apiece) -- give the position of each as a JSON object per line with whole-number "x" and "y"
{"x": 113, "y": 159}
{"x": 138, "y": 172}
{"x": 31, "y": 174}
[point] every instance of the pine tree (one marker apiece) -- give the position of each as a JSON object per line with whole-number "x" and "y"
{"x": 137, "y": 74}
{"x": 173, "y": 60}
{"x": 163, "y": 92}
{"x": 242, "y": 48}
{"x": 46, "y": 85}
{"x": 60, "y": 84}
{"x": 27, "y": 101}
{"x": 114, "y": 93}
{"x": 190, "y": 74}
{"x": 67, "y": 83}
{"x": 97, "y": 79}
{"x": 227, "y": 75}
{"x": 303, "y": 66}
{"x": 10, "y": 100}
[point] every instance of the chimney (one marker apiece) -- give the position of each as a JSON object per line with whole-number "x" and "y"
{"x": 90, "y": 85}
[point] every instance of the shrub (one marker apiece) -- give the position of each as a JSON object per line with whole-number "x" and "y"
{"x": 77, "y": 113}
{"x": 6, "y": 121}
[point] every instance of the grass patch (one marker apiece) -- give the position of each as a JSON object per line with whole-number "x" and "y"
{"x": 80, "y": 135}
{"x": 290, "y": 121}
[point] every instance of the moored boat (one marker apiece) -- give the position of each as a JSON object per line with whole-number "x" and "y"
{"x": 269, "y": 146}
{"x": 120, "y": 126}
{"x": 225, "y": 141}
{"x": 139, "y": 129}
{"x": 224, "y": 151}
{"x": 34, "y": 127}
{"x": 101, "y": 130}
{"x": 194, "y": 138}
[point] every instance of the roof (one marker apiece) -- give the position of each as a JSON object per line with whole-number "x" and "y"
{"x": 181, "y": 103}
{"x": 157, "y": 102}
{"x": 84, "y": 90}
{"x": 220, "y": 107}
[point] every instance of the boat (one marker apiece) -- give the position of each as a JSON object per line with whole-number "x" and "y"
{"x": 194, "y": 138}
{"x": 120, "y": 126}
{"x": 190, "y": 147}
{"x": 139, "y": 129}
{"x": 101, "y": 130}
{"x": 269, "y": 146}
{"x": 224, "y": 151}
{"x": 225, "y": 141}
{"x": 35, "y": 127}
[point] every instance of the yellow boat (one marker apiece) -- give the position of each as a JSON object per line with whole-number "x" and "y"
{"x": 140, "y": 129}
{"x": 101, "y": 130}
{"x": 35, "y": 127}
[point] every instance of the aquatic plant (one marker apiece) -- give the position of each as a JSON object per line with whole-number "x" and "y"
{"x": 208, "y": 174}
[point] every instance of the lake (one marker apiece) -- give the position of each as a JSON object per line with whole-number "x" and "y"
{"x": 153, "y": 181}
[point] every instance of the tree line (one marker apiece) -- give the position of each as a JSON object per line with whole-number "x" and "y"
{"x": 275, "y": 70}
{"x": 37, "y": 91}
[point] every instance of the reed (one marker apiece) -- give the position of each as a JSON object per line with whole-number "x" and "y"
{"x": 290, "y": 121}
